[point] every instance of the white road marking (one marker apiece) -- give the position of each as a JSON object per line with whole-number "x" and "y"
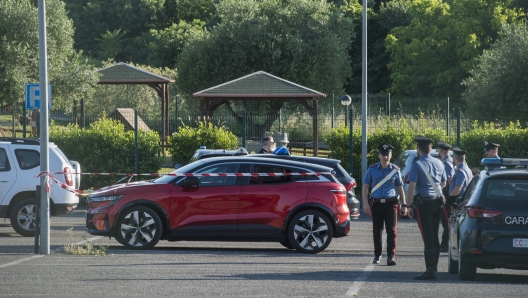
{"x": 360, "y": 280}
{"x": 40, "y": 256}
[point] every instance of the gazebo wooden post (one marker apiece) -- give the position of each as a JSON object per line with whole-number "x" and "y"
{"x": 315, "y": 125}
{"x": 161, "y": 94}
{"x": 166, "y": 116}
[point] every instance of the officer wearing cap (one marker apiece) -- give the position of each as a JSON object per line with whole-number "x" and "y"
{"x": 491, "y": 150}
{"x": 447, "y": 160}
{"x": 428, "y": 202}
{"x": 461, "y": 178}
{"x": 386, "y": 182}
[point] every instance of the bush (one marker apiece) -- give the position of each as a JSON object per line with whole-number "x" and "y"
{"x": 183, "y": 144}
{"x": 105, "y": 147}
{"x": 513, "y": 141}
{"x": 400, "y": 138}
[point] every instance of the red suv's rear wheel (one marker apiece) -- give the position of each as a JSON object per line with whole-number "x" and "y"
{"x": 310, "y": 231}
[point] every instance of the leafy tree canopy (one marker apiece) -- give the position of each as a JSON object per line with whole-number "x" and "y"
{"x": 435, "y": 52}
{"x": 303, "y": 41}
{"x": 498, "y": 83}
{"x": 70, "y": 77}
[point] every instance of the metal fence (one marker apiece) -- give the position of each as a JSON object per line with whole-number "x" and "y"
{"x": 418, "y": 114}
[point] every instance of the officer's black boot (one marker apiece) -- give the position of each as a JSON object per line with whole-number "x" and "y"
{"x": 431, "y": 261}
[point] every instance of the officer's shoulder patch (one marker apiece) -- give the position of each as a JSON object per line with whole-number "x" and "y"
{"x": 395, "y": 166}
{"x": 373, "y": 165}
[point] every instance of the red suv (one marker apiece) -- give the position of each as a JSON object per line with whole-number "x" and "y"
{"x": 302, "y": 206}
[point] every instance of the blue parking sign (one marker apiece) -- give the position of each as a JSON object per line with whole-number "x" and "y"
{"x": 33, "y": 96}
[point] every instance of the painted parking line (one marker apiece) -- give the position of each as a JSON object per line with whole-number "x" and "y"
{"x": 40, "y": 256}
{"x": 360, "y": 280}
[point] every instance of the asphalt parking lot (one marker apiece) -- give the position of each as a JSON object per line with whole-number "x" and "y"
{"x": 227, "y": 269}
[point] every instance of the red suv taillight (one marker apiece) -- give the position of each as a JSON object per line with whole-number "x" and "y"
{"x": 475, "y": 212}
{"x": 340, "y": 195}
{"x": 68, "y": 176}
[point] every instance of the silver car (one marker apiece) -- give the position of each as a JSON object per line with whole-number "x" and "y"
{"x": 404, "y": 161}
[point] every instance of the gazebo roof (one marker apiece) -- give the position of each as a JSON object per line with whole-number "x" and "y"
{"x": 259, "y": 84}
{"x": 122, "y": 73}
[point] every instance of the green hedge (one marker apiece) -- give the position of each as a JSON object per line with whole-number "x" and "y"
{"x": 513, "y": 140}
{"x": 106, "y": 147}
{"x": 183, "y": 144}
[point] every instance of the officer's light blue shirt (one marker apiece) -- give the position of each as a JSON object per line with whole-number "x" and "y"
{"x": 449, "y": 167}
{"x": 435, "y": 167}
{"x": 376, "y": 173}
{"x": 462, "y": 177}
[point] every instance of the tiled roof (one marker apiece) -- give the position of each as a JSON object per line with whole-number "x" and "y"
{"x": 259, "y": 84}
{"x": 122, "y": 73}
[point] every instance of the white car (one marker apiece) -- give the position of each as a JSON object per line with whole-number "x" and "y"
{"x": 19, "y": 166}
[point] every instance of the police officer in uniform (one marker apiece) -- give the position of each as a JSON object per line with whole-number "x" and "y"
{"x": 461, "y": 178}
{"x": 385, "y": 179}
{"x": 447, "y": 160}
{"x": 428, "y": 202}
{"x": 491, "y": 150}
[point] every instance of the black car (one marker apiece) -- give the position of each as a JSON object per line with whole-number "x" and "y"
{"x": 339, "y": 172}
{"x": 205, "y": 153}
{"x": 489, "y": 226}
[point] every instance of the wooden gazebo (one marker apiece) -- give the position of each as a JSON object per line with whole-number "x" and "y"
{"x": 261, "y": 86}
{"x": 122, "y": 73}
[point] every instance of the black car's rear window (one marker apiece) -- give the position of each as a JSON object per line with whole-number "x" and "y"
{"x": 513, "y": 189}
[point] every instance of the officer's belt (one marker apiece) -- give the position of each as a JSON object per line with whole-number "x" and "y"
{"x": 385, "y": 200}
{"x": 430, "y": 198}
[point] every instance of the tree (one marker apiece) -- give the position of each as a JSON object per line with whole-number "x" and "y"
{"x": 303, "y": 41}
{"x": 498, "y": 83}
{"x": 70, "y": 78}
{"x": 382, "y": 16}
{"x": 432, "y": 55}
{"x": 106, "y": 29}
{"x": 167, "y": 44}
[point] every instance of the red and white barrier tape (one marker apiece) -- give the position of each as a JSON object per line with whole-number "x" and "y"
{"x": 78, "y": 191}
{"x": 203, "y": 174}
{"x": 62, "y": 185}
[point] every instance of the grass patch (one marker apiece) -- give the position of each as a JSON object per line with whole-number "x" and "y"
{"x": 84, "y": 249}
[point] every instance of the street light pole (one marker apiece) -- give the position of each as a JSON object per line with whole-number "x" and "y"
{"x": 346, "y": 101}
{"x": 44, "y": 147}
{"x": 364, "y": 92}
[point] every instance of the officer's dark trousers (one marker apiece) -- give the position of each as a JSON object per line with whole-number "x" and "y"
{"x": 385, "y": 214}
{"x": 428, "y": 217}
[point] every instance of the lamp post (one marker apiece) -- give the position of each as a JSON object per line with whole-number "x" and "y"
{"x": 346, "y": 101}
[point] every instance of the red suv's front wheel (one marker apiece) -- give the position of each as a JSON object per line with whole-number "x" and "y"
{"x": 139, "y": 228}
